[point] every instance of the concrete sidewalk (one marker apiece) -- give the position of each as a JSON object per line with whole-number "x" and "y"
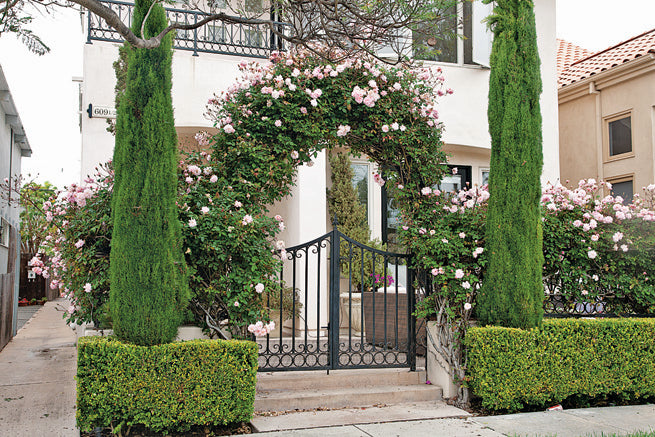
{"x": 37, "y": 377}
{"x": 568, "y": 423}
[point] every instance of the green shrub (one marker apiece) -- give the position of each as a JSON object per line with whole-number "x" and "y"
{"x": 148, "y": 279}
{"x": 512, "y": 294}
{"x": 168, "y": 387}
{"x": 511, "y": 368}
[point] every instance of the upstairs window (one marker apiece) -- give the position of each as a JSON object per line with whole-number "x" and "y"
{"x": 623, "y": 188}
{"x": 461, "y": 38}
{"x": 620, "y": 136}
{"x": 4, "y": 232}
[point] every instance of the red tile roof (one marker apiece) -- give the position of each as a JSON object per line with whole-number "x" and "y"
{"x": 595, "y": 63}
{"x": 568, "y": 53}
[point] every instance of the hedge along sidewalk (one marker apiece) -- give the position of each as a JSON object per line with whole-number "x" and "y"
{"x": 511, "y": 368}
{"x": 167, "y": 387}
{"x": 37, "y": 377}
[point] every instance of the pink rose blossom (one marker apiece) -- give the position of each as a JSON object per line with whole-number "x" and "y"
{"x": 459, "y": 273}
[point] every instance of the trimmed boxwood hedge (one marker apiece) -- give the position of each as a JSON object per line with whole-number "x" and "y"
{"x": 168, "y": 387}
{"x": 512, "y": 368}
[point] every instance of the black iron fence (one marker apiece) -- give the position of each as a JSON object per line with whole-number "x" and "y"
{"x": 251, "y": 40}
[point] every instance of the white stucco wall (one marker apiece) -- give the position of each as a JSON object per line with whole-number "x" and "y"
{"x": 195, "y": 80}
{"x": 464, "y": 113}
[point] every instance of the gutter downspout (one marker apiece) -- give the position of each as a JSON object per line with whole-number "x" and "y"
{"x": 599, "y": 130}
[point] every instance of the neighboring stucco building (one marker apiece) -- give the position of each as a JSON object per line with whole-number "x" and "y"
{"x": 607, "y": 114}
{"x": 205, "y": 63}
{"x": 13, "y": 146}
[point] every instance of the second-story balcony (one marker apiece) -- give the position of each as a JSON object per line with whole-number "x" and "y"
{"x": 252, "y": 40}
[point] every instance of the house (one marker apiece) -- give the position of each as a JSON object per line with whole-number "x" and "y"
{"x": 205, "y": 62}
{"x": 13, "y": 147}
{"x": 607, "y": 114}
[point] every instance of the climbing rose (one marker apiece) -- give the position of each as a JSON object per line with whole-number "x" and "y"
{"x": 592, "y": 254}
{"x": 193, "y": 223}
{"x": 467, "y": 306}
{"x": 343, "y": 130}
{"x": 228, "y": 128}
{"x": 79, "y": 243}
{"x": 259, "y": 288}
{"x": 459, "y": 273}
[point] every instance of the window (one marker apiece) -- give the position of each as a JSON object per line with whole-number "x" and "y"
{"x": 484, "y": 176}
{"x": 440, "y": 41}
{"x": 623, "y": 188}
{"x": 215, "y": 33}
{"x": 433, "y": 42}
{"x": 620, "y": 136}
{"x": 360, "y": 184}
{"x": 216, "y": 4}
{"x": 183, "y": 33}
{"x": 252, "y": 38}
{"x": 4, "y": 232}
{"x": 458, "y": 179}
{"x": 254, "y": 6}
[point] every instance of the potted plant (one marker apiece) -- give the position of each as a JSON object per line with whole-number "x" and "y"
{"x": 43, "y": 300}
{"x": 33, "y": 301}
{"x": 283, "y": 304}
{"x": 23, "y": 302}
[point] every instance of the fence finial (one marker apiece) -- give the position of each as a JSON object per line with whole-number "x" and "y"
{"x": 335, "y": 221}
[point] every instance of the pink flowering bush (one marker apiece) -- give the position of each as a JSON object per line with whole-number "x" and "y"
{"x": 596, "y": 250}
{"x": 78, "y": 246}
{"x": 230, "y": 248}
{"x": 231, "y": 262}
{"x": 280, "y": 115}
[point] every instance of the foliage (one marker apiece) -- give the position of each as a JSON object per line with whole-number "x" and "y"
{"x": 33, "y": 225}
{"x": 512, "y": 292}
{"x": 229, "y": 247}
{"x": 598, "y": 257}
{"x": 78, "y": 245}
{"x": 230, "y": 243}
{"x": 511, "y": 368}
{"x": 596, "y": 249}
{"x": 148, "y": 274}
{"x": 14, "y": 18}
{"x": 168, "y": 387}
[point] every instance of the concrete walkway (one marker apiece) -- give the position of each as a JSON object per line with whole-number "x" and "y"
{"x": 37, "y": 377}
{"x": 570, "y": 423}
{"x": 26, "y": 313}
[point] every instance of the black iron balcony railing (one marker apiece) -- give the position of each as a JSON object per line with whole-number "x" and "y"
{"x": 216, "y": 37}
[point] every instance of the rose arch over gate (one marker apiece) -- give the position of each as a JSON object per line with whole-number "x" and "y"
{"x": 279, "y": 116}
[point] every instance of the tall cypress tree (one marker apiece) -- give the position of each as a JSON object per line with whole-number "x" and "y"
{"x": 512, "y": 293}
{"x": 148, "y": 274}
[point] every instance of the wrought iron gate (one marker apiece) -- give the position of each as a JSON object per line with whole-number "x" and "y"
{"x": 341, "y": 304}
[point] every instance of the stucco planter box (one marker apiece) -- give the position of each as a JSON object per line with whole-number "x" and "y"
{"x": 438, "y": 370}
